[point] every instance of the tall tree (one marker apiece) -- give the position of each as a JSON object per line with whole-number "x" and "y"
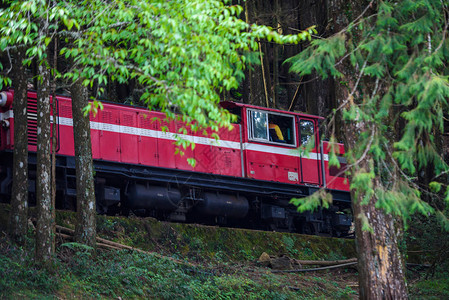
{"x": 316, "y": 93}
{"x": 44, "y": 243}
{"x": 184, "y": 54}
{"x": 19, "y": 197}
{"x": 85, "y": 230}
{"x": 255, "y": 90}
{"x": 27, "y": 25}
{"x": 388, "y": 57}
{"x": 44, "y": 15}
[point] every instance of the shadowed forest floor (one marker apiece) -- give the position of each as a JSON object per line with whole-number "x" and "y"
{"x": 189, "y": 262}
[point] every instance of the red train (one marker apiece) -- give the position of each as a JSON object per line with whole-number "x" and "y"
{"x": 246, "y": 178}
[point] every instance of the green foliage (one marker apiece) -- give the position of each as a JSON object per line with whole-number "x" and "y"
{"x": 289, "y": 243}
{"x": 399, "y": 86}
{"x": 328, "y": 50}
{"x": 183, "y": 53}
{"x": 20, "y": 273}
{"x": 220, "y": 256}
{"x": 81, "y": 249}
{"x": 430, "y": 289}
{"x": 30, "y": 25}
{"x": 313, "y": 202}
{"x": 135, "y": 275}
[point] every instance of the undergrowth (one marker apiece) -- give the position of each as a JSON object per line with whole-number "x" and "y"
{"x": 76, "y": 273}
{"x": 434, "y": 288}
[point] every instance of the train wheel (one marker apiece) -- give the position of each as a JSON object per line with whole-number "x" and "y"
{"x": 308, "y": 228}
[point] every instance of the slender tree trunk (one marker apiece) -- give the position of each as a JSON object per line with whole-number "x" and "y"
{"x": 316, "y": 91}
{"x": 254, "y": 90}
{"x": 53, "y": 143}
{"x": 19, "y": 197}
{"x": 290, "y": 22}
{"x": 85, "y": 231}
{"x": 44, "y": 237}
{"x": 276, "y": 48}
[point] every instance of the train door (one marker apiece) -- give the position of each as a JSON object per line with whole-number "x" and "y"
{"x": 166, "y": 137}
{"x": 259, "y": 157}
{"x": 32, "y": 121}
{"x": 95, "y": 133}
{"x": 228, "y": 153}
{"x": 66, "y": 127}
{"x": 183, "y": 155}
{"x": 205, "y": 152}
{"x": 109, "y": 135}
{"x": 128, "y": 137}
{"x": 271, "y": 148}
{"x": 309, "y": 164}
{"x": 147, "y": 140}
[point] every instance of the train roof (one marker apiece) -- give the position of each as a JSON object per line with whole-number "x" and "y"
{"x": 224, "y": 104}
{"x": 231, "y": 104}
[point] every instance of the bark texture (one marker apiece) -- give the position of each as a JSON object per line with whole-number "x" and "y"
{"x": 315, "y": 93}
{"x": 85, "y": 230}
{"x": 269, "y": 82}
{"x": 44, "y": 237}
{"x": 380, "y": 265}
{"x": 19, "y": 195}
{"x": 254, "y": 89}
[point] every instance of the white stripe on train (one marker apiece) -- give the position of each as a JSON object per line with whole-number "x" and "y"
{"x": 195, "y": 139}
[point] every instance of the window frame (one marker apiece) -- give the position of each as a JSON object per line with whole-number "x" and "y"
{"x": 250, "y": 127}
{"x": 300, "y": 132}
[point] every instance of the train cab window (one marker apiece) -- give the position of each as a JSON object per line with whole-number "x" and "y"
{"x": 271, "y": 127}
{"x": 259, "y": 122}
{"x": 307, "y": 131}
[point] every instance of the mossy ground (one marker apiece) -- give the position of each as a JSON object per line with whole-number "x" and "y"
{"x": 198, "y": 242}
{"x": 223, "y": 264}
{"x": 113, "y": 274}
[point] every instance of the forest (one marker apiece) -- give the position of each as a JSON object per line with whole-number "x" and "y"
{"x": 376, "y": 71}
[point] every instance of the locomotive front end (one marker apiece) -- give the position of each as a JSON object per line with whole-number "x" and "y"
{"x": 6, "y": 119}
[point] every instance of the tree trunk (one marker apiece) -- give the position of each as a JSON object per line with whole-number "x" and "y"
{"x": 45, "y": 221}
{"x": 316, "y": 91}
{"x": 85, "y": 230}
{"x": 54, "y": 142}
{"x": 381, "y": 269}
{"x": 380, "y": 265}
{"x": 278, "y": 26}
{"x": 254, "y": 90}
{"x": 289, "y": 82}
{"x": 19, "y": 195}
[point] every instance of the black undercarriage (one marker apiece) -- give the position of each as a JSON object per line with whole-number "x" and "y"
{"x": 186, "y": 196}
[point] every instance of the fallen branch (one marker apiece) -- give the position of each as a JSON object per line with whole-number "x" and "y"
{"x": 104, "y": 243}
{"x": 410, "y": 265}
{"x": 352, "y": 261}
{"x": 314, "y": 269}
{"x": 325, "y": 263}
{"x": 64, "y": 236}
{"x": 107, "y": 246}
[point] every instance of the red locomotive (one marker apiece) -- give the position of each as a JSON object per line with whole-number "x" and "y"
{"x": 245, "y": 178}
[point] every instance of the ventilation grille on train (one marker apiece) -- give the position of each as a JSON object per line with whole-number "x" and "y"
{"x": 32, "y": 121}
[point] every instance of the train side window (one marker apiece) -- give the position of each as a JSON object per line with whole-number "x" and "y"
{"x": 307, "y": 131}
{"x": 259, "y": 122}
{"x": 271, "y": 127}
